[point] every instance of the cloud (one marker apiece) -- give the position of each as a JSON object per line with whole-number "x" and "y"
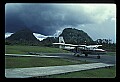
{"x": 50, "y": 18}
{"x": 8, "y": 34}
{"x": 40, "y": 37}
{"x": 101, "y": 12}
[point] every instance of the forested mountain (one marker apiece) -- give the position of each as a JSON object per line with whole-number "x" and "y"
{"x": 23, "y": 37}
{"x": 75, "y": 36}
{"x": 70, "y": 35}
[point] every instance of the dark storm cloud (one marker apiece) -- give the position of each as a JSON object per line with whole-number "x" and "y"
{"x": 43, "y": 18}
{"x": 52, "y": 18}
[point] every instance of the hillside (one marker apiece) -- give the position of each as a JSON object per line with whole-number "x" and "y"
{"x": 70, "y": 35}
{"x": 75, "y": 36}
{"x": 49, "y": 40}
{"x": 24, "y": 37}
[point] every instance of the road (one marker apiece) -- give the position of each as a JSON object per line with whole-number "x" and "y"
{"x": 92, "y": 58}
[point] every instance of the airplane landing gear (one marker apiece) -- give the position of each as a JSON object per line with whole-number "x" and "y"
{"x": 77, "y": 54}
{"x": 86, "y": 55}
{"x": 98, "y": 57}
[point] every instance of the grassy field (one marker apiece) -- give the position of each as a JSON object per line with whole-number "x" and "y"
{"x": 94, "y": 73}
{"x": 24, "y": 49}
{"x": 24, "y": 62}
{"x": 111, "y": 53}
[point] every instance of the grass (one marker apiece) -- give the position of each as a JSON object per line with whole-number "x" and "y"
{"x": 111, "y": 53}
{"x": 17, "y": 49}
{"x": 24, "y": 49}
{"x": 94, "y": 73}
{"x": 24, "y": 62}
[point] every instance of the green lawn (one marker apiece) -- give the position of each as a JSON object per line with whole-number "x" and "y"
{"x": 24, "y": 49}
{"x": 94, "y": 73}
{"x": 111, "y": 53}
{"x": 24, "y": 62}
{"x": 17, "y": 49}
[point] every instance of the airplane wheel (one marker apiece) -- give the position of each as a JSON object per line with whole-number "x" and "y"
{"x": 74, "y": 54}
{"x": 98, "y": 57}
{"x": 86, "y": 55}
{"x": 78, "y": 55}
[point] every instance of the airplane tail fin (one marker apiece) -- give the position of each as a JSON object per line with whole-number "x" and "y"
{"x": 61, "y": 40}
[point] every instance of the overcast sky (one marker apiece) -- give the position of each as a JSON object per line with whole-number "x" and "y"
{"x": 98, "y": 20}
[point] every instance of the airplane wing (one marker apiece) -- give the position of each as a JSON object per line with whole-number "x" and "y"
{"x": 93, "y": 46}
{"x": 58, "y": 43}
{"x": 62, "y": 44}
{"x": 71, "y": 45}
{"x": 77, "y": 45}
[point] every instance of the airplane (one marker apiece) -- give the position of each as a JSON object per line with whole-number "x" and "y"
{"x": 81, "y": 49}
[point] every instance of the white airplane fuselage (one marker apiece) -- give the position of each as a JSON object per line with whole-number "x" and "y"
{"x": 81, "y": 49}
{"x": 85, "y": 50}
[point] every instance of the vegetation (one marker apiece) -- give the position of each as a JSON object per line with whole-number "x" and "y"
{"x": 111, "y": 53}
{"x": 22, "y": 37}
{"x": 24, "y": 62}
{"x": 70, "y": 35}
{"x": 26, "y": 37}
{"x": 49, "y": 40}
{"x": 75, "y": 36}
{"x": 19, "y": 49}
{"x": 107, "y": 44}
